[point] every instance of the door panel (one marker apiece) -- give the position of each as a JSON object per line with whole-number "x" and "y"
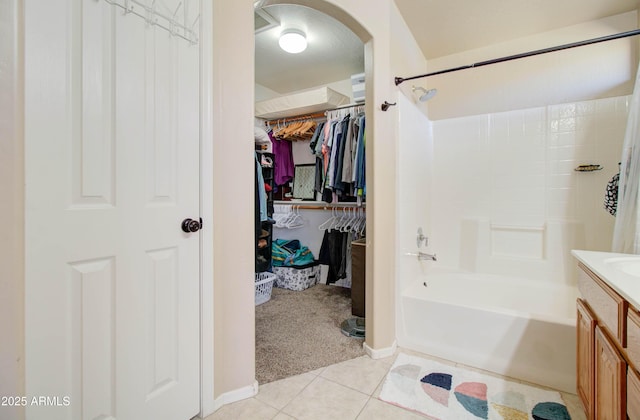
{"x": 610, "y": 379}
{"x": 93, "y": 333}
{"x": 585, "y": 330}
{"x": 112, "y": 152}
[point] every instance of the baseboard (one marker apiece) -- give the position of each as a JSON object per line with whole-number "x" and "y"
{"x": 236, "y": 395}
{"x": 208, "y": 408}
{"x": 380, "y": 353}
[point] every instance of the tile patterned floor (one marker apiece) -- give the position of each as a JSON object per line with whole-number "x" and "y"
{"x": 345, "y": 391}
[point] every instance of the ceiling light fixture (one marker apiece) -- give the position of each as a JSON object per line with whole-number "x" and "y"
{"x": 293, "y": 41}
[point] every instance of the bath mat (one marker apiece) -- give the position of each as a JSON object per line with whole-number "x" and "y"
{"x": 447, "y": 392}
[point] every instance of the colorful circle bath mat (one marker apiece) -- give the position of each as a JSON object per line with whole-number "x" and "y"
{"x": 448, "y": 392}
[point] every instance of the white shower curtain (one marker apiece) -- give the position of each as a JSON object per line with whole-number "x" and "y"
{"x": 626, "y": 233}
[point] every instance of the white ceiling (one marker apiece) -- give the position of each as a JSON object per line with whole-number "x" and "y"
{"x": 333, "y": 52}
{"x": 444, "y": 27}
{"x": 441, "y": 27}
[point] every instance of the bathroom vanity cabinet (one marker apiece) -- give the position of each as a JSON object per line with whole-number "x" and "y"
{"x": 608, "y": 350}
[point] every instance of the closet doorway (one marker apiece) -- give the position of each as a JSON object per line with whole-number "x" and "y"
{"x": 304, "y": 325}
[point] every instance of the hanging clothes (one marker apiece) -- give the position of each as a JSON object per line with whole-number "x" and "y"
{"x": 339, "y": 186}
{"x": 334, "y": 252}
{"x": 347, "y": 165}
{"x": 316, "y": 136}
{"x": 316, "y": 149}
{"x": 285, "y": 167}
{"x": 343, "y": 156}
{"x": 360, "y": 159}
{"x": 261, "y": 191}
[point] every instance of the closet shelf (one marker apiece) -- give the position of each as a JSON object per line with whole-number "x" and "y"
{"x": 306, "y": 102}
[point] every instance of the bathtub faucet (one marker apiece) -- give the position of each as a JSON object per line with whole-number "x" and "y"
{"x": 423, "y": 256}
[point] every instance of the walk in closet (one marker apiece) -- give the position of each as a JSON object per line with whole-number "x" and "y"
{"x": 311, "y": 195}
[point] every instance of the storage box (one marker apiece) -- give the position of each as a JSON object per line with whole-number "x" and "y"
{"x": 357, "y": 86}
{"x": 297, "y": 278}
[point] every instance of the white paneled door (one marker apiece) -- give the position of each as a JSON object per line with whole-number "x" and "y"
{"x": 112, "y": 152}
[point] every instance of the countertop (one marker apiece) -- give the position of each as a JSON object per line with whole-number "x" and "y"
{"x": 620, "y": 271}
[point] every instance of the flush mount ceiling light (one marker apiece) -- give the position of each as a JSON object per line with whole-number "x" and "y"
{"x": 293, "y": 41}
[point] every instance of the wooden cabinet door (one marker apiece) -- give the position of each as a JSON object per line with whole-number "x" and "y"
{"x": 586, "y": 324}
{"x": 633, "y": 395}
{"x": 610, "y": 379}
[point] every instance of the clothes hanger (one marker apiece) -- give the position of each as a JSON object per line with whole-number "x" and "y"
{"x": 355, "y": 222}
{"x": 363, "y": 226}
{"x": 341, "y": 221}
{"x": 296, "y": 220}
{"x": 281, "y": 127}
{"x": 361, "y": 223}
{"x": 346, "y": 225}
{"x": 327, "y": 223}
{"x": 290, "y": 217}
{"x": 283, "y": 216}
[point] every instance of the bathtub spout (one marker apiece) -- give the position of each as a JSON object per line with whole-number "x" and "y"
{"x": 422, "y": 256}
{"x": 425, "y": 256}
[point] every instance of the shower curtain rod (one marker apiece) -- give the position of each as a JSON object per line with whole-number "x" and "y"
{"x": 399, "y": 80}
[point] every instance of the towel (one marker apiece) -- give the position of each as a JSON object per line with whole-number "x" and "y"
{"x": 611, "y": 195}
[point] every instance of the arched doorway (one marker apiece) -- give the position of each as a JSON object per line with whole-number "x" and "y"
{"x": 296, "y": 10}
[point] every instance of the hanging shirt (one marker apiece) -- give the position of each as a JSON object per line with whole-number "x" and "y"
{"x": 335, "y": 146}
{"x": 338, "y": 185}
{"x": 317, "y": 136}
{"x": 333, "y": 252}
{"x": 360, "y": 160}
{"x": 347, "y": 164}
{"x": 284, "y": 170}
{"x": 262, "y": 193}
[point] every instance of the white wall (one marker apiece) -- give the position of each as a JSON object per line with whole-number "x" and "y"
{"x": 414, "y": 193}
{"x": 340, "y": 86}
{"x": 590, "y": 72}
{"x": 233, "y": 195}
{"x": 263, "y": 93}
{"x": 11, "y": 207}
{"x": 517, "y": 168}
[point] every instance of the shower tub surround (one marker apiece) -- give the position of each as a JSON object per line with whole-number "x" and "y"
{"x": 518, "y": 168}
{"x": 509, "y": 209}
{"x": 504, "y": 317}
{"x": 511, "y": 326}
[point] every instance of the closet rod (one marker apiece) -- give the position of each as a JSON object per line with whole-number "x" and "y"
{"x": 297, "y": 118}
{"x": 320, "y": 114}
{"x": 303, "y": 207}
{"x": 399, "y": 80}
{"x": 321, "y": 207}
{"x": 346, "y": 106}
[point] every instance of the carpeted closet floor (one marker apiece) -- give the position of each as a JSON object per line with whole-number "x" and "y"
{"x": 299, "y": 331}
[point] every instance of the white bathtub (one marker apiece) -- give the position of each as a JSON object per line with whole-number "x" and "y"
{"x": 516, "y": 327}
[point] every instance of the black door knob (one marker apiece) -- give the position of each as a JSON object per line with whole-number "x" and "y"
{"x": 190, "y": 225}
